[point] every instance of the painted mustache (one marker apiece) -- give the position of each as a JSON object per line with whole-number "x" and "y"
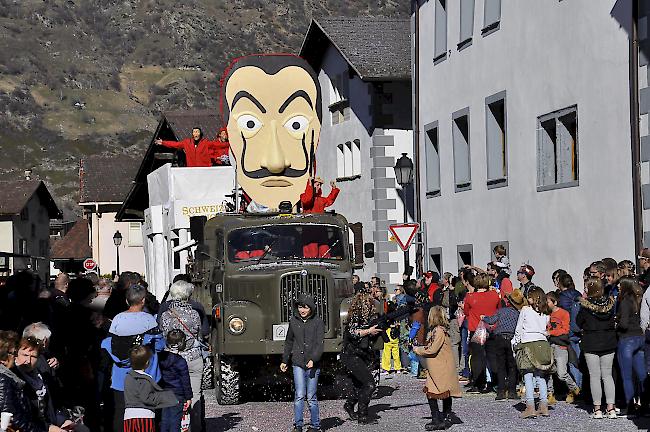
{"x": 287, "y": 172}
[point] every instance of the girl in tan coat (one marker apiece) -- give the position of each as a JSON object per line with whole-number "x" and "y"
{"x": 442, "y": 379}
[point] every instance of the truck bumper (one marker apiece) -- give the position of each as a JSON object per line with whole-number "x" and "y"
{"x": 269, "y": 347}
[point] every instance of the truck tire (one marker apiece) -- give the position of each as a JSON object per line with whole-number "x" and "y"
{"x": 228, "y": 382}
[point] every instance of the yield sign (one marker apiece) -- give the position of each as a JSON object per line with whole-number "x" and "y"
{"x": 404, "y": 233}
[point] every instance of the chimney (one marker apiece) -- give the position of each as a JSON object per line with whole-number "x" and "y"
{"x": 28, "y": 174}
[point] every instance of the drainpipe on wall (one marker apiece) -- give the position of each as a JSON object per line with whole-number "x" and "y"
{"x": 634, "y": 132}
{"x": 415, "y": 8}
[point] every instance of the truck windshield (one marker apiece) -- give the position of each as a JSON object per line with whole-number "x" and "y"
{"x": 286, "y": 241}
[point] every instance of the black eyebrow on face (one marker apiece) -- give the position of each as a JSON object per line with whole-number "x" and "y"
{"x": 244, "y": 94}
{"x": 300, "y": 93}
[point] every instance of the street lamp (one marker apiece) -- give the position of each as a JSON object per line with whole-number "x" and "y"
{"x": 117, "y": 241}
{"x": 404, "y": 175}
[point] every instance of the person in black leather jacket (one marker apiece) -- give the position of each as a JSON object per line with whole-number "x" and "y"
{"x": 12, "y": 398}
{"x": 357, "y": 355}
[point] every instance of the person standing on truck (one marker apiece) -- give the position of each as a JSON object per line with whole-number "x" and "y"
{"x": 199, "y": 152}
{"x": 312, "y": 199}
{"x": 221, "y": 156}
{"x": 304, "y": 347}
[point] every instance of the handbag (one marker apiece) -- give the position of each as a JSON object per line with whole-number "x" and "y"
{"x": 207, "y": 377}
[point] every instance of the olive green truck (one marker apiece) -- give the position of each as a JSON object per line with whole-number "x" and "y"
{"x": 250, "y": 268}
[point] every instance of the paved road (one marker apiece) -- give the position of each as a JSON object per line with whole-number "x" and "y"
{"x": 401, "y": 406}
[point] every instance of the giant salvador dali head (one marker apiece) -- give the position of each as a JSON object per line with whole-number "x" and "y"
{"x": 272, "y": 107}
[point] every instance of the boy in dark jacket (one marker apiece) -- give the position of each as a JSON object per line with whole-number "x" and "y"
{"x": 304, "y": 346}
{"x": 175, "y": 377}
{"x": 142, "y": 395}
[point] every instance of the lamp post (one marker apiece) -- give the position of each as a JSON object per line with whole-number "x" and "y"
{"x": 404, "y": 175}
{"x": 117, "y": 241}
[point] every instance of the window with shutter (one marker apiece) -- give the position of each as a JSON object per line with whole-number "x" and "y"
{"x": 495, "y": 140}
{"x": 340, "y": 161}
{"x": 135, "y": 234}
{"x": 440, "y": 30}
{"x": 356, "y": 157}
{"x": 357, "y": 231}
{"x": 435, "y": 260}
{"x": 491, "y": 16}
{"x": 465, "y": 255}
{"x": 557, "y": 149}
{"x": 432, "y": 155}
{"x": 460, "y": 136}
{"x": 466, "y": 23}
{"x": 347, "y": 151}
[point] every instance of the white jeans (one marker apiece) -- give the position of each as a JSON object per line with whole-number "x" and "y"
{"x": 600, "y": 368}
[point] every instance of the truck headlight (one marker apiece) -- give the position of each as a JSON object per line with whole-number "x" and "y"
{"x": 236, "y": 325}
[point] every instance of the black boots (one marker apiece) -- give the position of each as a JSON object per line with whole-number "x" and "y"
{"x": 363, "y": 416}
{"x": 349, "y": 408}
{"x": 437, "y": 420}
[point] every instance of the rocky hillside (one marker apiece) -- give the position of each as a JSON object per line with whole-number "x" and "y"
{"x": 82, "y": 77}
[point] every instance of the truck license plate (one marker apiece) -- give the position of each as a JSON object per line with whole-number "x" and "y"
{"x": 280, "y": 331}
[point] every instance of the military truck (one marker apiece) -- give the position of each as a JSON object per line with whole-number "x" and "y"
{"x": 251, "y": 268}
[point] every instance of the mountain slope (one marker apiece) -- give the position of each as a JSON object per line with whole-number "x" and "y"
{"x": 83, "y": 77}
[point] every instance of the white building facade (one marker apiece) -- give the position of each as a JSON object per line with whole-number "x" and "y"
{"x": 524, "y": 115}
{"x": 363, "y": 68}
{"x": 105, "y": 182}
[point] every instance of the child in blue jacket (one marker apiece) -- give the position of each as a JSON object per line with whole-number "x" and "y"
{"x": 175, "y": 377}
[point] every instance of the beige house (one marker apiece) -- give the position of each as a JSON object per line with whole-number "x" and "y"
{"x": 26, "y": 208}
{"x": 104, "y": 183}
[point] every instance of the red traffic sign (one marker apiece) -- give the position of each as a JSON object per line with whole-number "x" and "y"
{"x": 89, "y": 264}
{"x": 404, "y": 233}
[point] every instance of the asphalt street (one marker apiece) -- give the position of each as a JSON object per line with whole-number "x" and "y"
{"x": 401, "y": 406}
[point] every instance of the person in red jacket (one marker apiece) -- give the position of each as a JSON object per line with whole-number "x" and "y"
{"x": 430, "y": 284}
{"x": 199, "y": 152}
{"x": 220, "y": 155}
{"x": 479, "y": 301}
{"x": 312, "y": 199}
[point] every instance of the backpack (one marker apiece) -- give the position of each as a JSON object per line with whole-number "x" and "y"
{"x": 121, "y": 345}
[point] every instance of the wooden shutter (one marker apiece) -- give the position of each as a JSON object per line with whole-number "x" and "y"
{"x": 357, "y": 230}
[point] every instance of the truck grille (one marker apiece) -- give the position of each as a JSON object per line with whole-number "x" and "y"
{"x": 293, "y": 284}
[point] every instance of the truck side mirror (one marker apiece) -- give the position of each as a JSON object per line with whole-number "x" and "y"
{"x": 369, "y": 250}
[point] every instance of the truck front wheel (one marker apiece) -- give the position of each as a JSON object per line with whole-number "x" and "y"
{"x": 228, "y": 383}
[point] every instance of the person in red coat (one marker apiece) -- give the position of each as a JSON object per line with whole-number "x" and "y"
{"x": 312, "y": 199}
{"x": 199, "y": 152}
{"x": 220, "y": 155}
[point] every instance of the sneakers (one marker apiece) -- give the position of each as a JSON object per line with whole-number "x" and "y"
{"x": 296, "y": 429}
{"x": 501, "y": 396}
{"x": 611, "y": 414}
{"x": 551, "y": 399}
{"x": 473, "y": 390}
{"x": 597, "y": 414}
